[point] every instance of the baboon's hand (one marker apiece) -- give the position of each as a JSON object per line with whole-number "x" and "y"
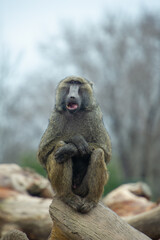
{"x": 81, "y": 144}
{"x": 65, "y": 152}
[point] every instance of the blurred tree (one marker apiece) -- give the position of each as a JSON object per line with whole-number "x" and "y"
{"x": 7, "y": 73}
{"x": 123, "y": 58}
{"x": 23, "y": 112}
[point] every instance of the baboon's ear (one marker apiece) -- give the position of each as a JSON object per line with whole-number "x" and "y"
{"x": 91, "y": 83}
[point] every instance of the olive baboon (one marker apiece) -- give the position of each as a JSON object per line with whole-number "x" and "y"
{"x": 76, "y": 147}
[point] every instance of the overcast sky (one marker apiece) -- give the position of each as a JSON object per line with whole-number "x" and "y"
{"x": 26, "y": 23}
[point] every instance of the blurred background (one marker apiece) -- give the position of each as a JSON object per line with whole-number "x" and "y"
{"x": 115, "y": 44}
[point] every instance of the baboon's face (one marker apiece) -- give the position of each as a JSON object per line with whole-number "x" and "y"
{"x": 74, "y": 94}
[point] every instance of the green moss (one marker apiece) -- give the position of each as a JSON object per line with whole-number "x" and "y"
{"x": 115, "y": 176}
{"x": 30, "y": 160}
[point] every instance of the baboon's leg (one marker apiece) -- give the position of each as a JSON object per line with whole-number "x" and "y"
{"x": 95, "y": 178}
{"x": 60, "y": 176}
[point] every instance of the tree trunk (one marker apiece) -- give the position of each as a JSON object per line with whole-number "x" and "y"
{"x": 101, "y": 223}
{"x": 148, "y": 222}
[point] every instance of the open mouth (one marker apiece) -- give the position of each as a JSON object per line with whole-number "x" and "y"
{"x": 72, "y": 106}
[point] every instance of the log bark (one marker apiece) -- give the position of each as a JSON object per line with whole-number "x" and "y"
{"x": 26, "y": 213}
{"x": 148, "y": 223}
{"x": 130, "y": 199}
{"x": 100, "y": 223}
{"x": 15, "y": 235}
{"x": 24, "y": 180}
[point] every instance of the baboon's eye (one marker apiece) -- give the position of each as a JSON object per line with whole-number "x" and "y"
{"x": 75, "y": 82}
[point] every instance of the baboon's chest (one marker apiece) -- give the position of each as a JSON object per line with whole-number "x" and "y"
{"x": 77, "y": 126}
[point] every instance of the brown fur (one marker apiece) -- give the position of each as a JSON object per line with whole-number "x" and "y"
{"x": 80, "y": 141}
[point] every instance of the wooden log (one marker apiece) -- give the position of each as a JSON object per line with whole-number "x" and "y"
{"x": 24, "y": 180}
{"x": 100, "y": 223}
{"x": 130, "y": 199}
{"x": 147, "y": 222}
{"x": 15, "y": 235}
{"x": 26, "y": 213}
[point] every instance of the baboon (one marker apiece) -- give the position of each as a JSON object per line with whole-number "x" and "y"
{"x": 75, "y": 147}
